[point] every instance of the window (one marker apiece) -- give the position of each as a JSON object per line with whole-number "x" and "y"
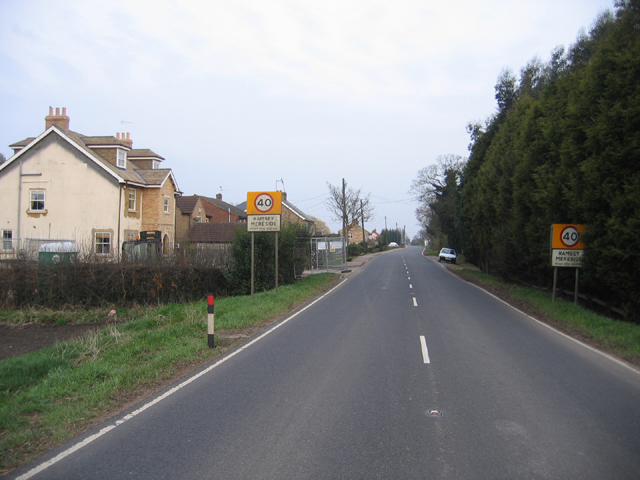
{"x": 37, "y": 200}
{"x": 132, "y": 199}
{"x": 7, "y": 240}
{"x": 122, "y": 158}
{"x": 102, "y": 243}
{"x": 155, "y": 164}
{"x": 166, "y": 205}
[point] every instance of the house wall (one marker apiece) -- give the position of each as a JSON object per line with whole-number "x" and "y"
{"x": 184, "y": 221}
{"x": 220, "y": 215}
{"x": 153, "y": 215}
{"x": 288, "y": 216}
{"x": 80, "y": 198}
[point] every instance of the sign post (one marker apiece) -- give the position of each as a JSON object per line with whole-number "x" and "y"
{"x": 264, "y": 210}
{"x": 567, "y": 250}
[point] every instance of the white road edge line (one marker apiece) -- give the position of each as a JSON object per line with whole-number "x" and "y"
{"x": 425, "y": 350}
{"x": 88, "y": 440}
{"x": 415, "y": 302}
{"x": 589, "y": 347}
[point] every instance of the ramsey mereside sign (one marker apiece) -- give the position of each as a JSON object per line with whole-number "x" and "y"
{"x": 263, "y": 211}
{"x": 566, "y": 247}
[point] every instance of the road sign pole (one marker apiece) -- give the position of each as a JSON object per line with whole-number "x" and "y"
{"x": 276, "y": 263}
{"x": 252, "y": 262}
{"x": 575, "y": 293}
{"x": 555, "y": 281}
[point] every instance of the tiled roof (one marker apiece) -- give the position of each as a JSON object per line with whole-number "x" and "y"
{"x": 154, "y": 176}
{"x": 143, "y": 153}
{"x": 102, "y": 140}
{"x": 22, "y": 143}
{"x": 224, "y": 206}
{"x": 297, "y": 211}
{"x": 132, "y": 174}
{"x": 128, "y": 174}
{"x": 187, "y": 204}
{"x": 214, "y": 232}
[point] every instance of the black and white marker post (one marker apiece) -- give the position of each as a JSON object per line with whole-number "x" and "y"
{"x": 210, "y": 321}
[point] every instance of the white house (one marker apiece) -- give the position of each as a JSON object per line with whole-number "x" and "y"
{"x": 96, "y": 191}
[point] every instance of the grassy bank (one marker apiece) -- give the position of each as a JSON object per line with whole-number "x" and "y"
{"x": 50, "y": 395}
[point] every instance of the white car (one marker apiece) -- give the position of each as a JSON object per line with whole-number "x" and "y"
{"x": 393, "y": 245}
{"x": 448, "y": 255}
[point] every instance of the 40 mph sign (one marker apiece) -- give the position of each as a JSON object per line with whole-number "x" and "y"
{"x": 263, "y": 211}
{"x": 264, "y": 203}
{"x": 566, "y": 245}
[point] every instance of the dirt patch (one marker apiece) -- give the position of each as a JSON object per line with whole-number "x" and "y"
{"x": 18, "y": 340}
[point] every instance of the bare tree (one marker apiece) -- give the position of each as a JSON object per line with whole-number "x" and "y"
{"x": 432, "y": 179}
{"x": 321, "y": 227}
{"x": 349, "y": 206}
{"x": 2, "y": 158}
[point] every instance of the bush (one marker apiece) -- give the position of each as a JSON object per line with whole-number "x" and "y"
{"x": 355, "y": 250}
{"x": 238, "y": 275}
{"x": 25, "y": 284}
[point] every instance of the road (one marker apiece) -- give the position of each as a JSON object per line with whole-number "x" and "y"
{"x": 402, "y": 371}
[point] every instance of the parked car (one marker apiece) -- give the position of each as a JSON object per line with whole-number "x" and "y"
{"x": 393, "y": 245}
{"x": 448, "y": 255}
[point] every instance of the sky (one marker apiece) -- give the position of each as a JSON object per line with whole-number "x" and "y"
{"x": 260, "y": 95}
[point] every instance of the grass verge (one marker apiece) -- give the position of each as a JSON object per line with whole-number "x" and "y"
{"x": 52, "y": 394}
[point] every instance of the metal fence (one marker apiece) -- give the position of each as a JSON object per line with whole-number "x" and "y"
{"x": 323, "y": 254}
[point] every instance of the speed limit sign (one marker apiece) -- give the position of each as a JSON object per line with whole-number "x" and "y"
{"x": 264, "y": 203}
{"x": 567, "y": 237}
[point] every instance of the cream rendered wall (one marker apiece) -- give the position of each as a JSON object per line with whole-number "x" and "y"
{"x": 79, "y": 196}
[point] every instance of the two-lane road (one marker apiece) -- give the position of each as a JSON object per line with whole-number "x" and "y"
{"x": 403, "y": 371}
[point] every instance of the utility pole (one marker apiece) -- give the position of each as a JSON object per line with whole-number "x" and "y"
{"x": 344, "y": 211}
{"x": 364, "y": 240}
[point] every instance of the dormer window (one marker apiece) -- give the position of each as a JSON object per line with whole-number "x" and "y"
{"x": 122, "y": 158}
{"x": 155, "y": 164}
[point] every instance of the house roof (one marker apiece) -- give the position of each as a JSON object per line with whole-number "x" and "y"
{"x": 130, "y": 174}
{"x": 214, "y": 232}
{"x": 138, "y": 153}
{"x": 187, "y": 204}
{"x": 240, "y": 213}
{"x": 297, "y": 211}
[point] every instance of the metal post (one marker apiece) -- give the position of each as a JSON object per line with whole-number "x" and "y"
{"x": 252, "y": 262}
{"x": 211, "y": 321}
{"x": 575, "y": 293}
{"x": 276, "y": 263}
{"x": 555, "y": 279}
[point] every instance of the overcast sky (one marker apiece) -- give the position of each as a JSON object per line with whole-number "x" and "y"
{"x": 238, "y": 95}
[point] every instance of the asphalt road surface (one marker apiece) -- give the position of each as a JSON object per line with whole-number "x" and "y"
{"x": 403, "y": 371}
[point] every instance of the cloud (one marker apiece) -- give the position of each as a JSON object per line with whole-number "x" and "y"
{"x": 375, "y": 52}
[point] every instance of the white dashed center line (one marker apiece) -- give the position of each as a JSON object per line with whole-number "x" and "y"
{"x": 425, "y": 350}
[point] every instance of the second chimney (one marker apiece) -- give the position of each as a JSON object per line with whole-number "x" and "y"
{"x": 61, "y": 121}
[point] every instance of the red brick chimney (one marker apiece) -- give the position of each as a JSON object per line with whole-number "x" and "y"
{"x": 218, "y": 196}
{"x": 61, "y": 121}
{"x": 126, "y": 138}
